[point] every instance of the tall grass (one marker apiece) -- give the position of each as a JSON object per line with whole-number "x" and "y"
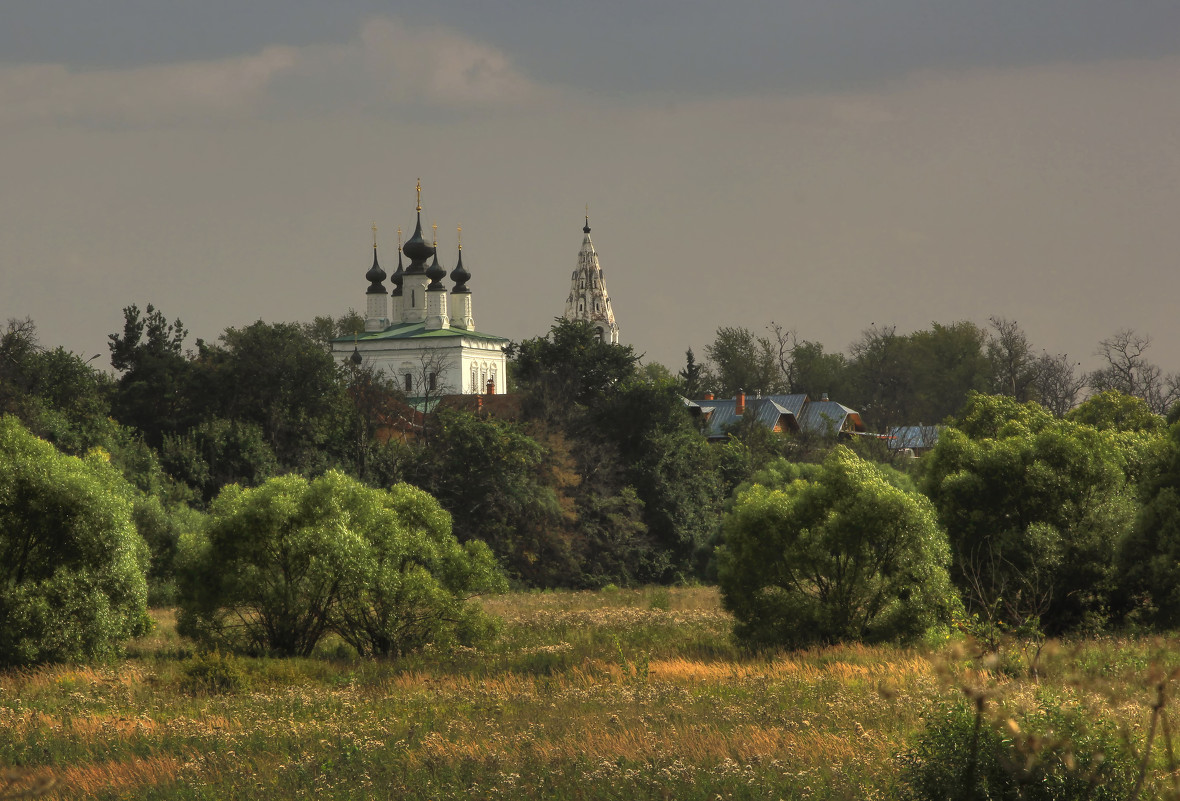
{"x": 619, "y": 694}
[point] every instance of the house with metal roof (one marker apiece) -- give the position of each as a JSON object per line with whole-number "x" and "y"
{"x": 917, "y": 439}
{"x": 784, "y": 414}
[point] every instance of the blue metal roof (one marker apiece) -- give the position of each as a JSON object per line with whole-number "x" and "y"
{"x": 791, "y": 412}
{"x": 912, "y": 437}
{"x": 829, "y": 417}
{"x": 722, "y": 415}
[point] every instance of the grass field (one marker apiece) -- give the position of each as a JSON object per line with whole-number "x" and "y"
{"x": 624, "y": 694}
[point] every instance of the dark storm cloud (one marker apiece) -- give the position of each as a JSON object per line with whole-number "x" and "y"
{"x": 617, "y": 46}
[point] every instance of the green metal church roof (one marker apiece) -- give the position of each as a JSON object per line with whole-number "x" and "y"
{"x": 418, "y": 331}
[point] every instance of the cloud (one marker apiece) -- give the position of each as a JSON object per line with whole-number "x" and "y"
{"x": 387, "y": 60}
{"x": 438, "y": 66}
{"x": 53, "y": 93}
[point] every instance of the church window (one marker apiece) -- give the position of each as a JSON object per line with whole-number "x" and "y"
{"x": 413, "y": 298}
{"x": 409, "y": 382}
{"x": 474, "y": 378}
{"x": 433, "y": 381}
{"x": 579, "y": 305}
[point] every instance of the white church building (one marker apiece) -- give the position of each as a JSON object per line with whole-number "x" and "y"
{"x": 419, "y": 332}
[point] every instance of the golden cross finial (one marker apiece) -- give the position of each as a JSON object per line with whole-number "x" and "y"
{"x": 419, "y": 194}
{"x": 374, "y": 235}
{"x": 434, "y": 225}
{"x": 460, "y": 237}
{"x": 399, "y": 239}
{"x": 587, "y": 213}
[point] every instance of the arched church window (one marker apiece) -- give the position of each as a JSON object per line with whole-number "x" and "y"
{"x": 413, "y": 298}
{"x": 433, "y": 381}
{"x": 409, "y": 383}
{"x": 474, "y": 378}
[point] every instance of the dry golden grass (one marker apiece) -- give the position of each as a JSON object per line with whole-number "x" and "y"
{"x": 625, "y": 690}
{"x": 106, "y": 777}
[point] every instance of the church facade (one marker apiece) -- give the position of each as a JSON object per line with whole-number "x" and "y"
{"x": 421, "y": 333}
{"x": 588, "y": 299}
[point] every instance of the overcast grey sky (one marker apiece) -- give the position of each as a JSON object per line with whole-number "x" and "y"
{"x": 826, "y": 164}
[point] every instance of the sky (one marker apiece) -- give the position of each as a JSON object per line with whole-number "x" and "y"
{"x": 826, "y": 165}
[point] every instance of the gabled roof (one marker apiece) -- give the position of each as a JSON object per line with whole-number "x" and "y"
{"x": 785, "y": 413}
{"x": 824, "y": 417}
{"x": 721, "y": 414}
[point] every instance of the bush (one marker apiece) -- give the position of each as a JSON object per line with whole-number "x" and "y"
{"x": 212, "y": 673}
{"x": 1034, "y": 508}
{"x": 843, "y": 556}
{"x": 279, "y": 566}
{"x": 414, "y": 579}
{"x": 1052, "y": 755}
{"x": 72, "y": 566}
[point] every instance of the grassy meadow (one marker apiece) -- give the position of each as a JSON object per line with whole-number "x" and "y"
{"x": 618, "y": 694}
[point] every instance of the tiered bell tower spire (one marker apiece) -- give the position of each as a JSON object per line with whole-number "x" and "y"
{"x": 588, "y": 299}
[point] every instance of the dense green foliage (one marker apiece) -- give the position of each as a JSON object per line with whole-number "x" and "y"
{"x": 843, "y": 556}
{"x": 1035, "y": 508}
{"x": 636, "y": 478}
{"x": 279, "y": 566}
{"x": 72, "y": 566}
{"x": 1054, "y": 754}
{"x": 600, "y": 475}
{"x": 1150, "y": 557}
{"x": 493, "y": 478}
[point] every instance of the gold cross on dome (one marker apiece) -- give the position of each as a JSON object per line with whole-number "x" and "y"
{"x": 419, "y": 194}
{"x": 374, "y": 235}
{"x": 460, "y": 237}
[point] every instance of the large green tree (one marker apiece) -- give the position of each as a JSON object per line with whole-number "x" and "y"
{"x": 670, "y": 466}
{"x": 1149, "y": 559}
{"x": 279, "y": 566}
{"x": 72, "y": 566}
{"x": 152, "y": 392}
{"x": 275, "y": 376}
{"x": 843, "y": 555}
{"x": 493, "y": 478}
{"x": 739, "y": 359}
{"x": 568, "y": 367}
{"x": 1035, "y": 508}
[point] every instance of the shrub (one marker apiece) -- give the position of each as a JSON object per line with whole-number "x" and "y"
{"x": 414, "y": 578}
{"x": 212, "y": 673}
{"x": 72, "y": 583}
{"x": 279, "y": 566}
{"x": 1034, "y": 508}
{"x": 1052, "y": 755}
{"x": 843, "y": 556}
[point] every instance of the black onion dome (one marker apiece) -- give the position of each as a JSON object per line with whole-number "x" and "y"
{"x": 396, "y": 279}
{"x": 586, "y": 227}
{"x": 355, "y": 358}
{"x": 436, "y": 273}
{"x": 375, "y": 276}
{"x": 460, "y": 275}
{"x": 417, "y": 249}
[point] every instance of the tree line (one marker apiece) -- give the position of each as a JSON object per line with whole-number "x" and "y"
{"x": 1030, "y": 512}
{"x": 894, "y": 379}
